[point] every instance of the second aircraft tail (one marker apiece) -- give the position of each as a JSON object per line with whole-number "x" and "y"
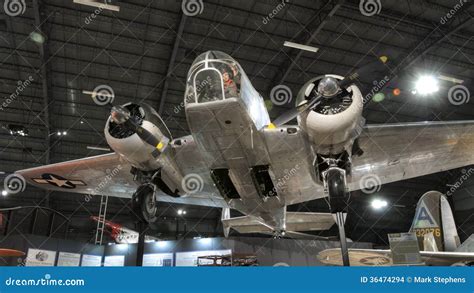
{"x": 434, "y": 223}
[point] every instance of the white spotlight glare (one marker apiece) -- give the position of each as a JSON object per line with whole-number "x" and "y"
{"x": 64, "y": 132}
{"x": 378, "y": 204}
{"x": 4, "y": 192}
{"x": 426, "y": 85}
{"x": 180, "y": 212}
{"x": 59, "y": 133}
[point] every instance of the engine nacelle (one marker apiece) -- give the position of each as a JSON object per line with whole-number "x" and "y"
{"x": 331, "y": 124}
{"x": 129, "y": 145}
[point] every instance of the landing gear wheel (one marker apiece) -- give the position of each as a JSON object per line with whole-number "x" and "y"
{"x": 336, "y": 188}
{"x": 144, "y": 203}
{"x": 336, "y": 184}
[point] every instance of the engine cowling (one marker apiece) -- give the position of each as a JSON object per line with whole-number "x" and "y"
{"x": 129, "y": 145}
{"x": 332, "y": 123}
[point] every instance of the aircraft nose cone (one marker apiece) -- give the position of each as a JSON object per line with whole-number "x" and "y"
{"x": 328, "y": 87}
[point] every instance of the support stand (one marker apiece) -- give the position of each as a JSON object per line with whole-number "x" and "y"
{"x": 340, "y": 219}
{"x": 141, "y": 242}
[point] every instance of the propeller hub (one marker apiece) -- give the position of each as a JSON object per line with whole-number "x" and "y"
{"x": 119, "y": 114}
{"x": 328, "y": 87}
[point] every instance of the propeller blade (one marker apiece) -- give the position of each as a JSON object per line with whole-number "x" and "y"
{"x": 293, "y": 113}
{"x": 378, "y": 65}
{"x": 147, "y": 136}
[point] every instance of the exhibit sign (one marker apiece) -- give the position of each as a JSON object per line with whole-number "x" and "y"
{"x": 68, "y": 259}
{"x": 404, "y": 248}
{"x": 190, "y": 259}
{"x": 158, "y": 260}
{"x": 114, "y": 261}
{"x": 40, "y": 258}
{"x": 91, "y": 260}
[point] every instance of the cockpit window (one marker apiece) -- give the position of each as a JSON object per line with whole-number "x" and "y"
{"x": 216, "y": 76}
{"x": 213, "y": 76}
{"x": 208, "y": 85}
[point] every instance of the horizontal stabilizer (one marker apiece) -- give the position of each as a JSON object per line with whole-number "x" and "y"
{"x": 467, "y": 246}
{"x": 295, "y": 221}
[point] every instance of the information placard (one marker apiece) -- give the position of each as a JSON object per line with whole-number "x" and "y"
{"x": 68, "y": 259}
{"x": 158, "y": 260}
{"x": 114, "y": 261}
{"x": 40, "y": 258}
{"x": 91, "y": 260}
{"x": 405, "y": 249}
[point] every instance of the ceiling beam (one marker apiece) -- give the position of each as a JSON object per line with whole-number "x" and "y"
{"x": 436, "y": 36}
{"x": 306, "y": 36}
{"x": 172, "y": 60}
{"x": 45, "y": 81}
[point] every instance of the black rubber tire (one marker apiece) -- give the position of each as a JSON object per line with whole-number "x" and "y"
{"x": 144, "y": 204}
{"x": 337, "y": 190}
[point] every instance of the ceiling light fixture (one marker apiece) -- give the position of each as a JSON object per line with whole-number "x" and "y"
{"x": 301, "y": 47}
{"x": 378, "y": 204}
{"x": 426, "y": 84}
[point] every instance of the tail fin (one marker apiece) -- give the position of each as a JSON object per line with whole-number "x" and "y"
{"x": 434, "y": 215}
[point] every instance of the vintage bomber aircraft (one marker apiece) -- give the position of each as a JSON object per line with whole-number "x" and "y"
{"x": 235, "y": 158}
{"x": 437, "y": 235}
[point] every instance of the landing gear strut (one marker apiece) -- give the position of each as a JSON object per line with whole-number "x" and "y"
{"x": 335, "y": 187}
{"x": 144, "y": 203}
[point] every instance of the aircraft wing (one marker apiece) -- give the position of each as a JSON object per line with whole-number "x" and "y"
{"x": 394, "y": 152}
{"x": 382, "y": 257}
{"x": 107, "y": 174}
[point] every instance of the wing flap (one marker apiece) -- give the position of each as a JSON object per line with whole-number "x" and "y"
{"x": 295, "y": 221}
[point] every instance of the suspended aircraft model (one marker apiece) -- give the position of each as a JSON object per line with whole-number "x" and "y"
{"x": 121, "y": 234}
{"x": 236, "y": 158}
